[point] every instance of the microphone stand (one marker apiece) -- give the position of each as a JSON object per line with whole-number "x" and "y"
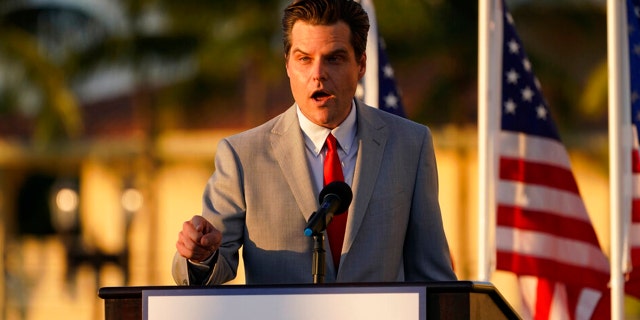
{"x": 319, "y": 254}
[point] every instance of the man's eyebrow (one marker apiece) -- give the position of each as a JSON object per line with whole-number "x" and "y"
{"x": 298, "y": 50}
{"x": 338, "y": 51}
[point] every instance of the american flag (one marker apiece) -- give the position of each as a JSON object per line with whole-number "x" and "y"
{"x": 388, "y": 96}
{"x": 632, "y": 286}
{"x": 543, "y": 234}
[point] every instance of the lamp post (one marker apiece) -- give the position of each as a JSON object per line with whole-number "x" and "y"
{"x": 65, "y": 204}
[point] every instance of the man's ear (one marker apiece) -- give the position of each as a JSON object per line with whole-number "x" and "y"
{"x": 363, "y": 66}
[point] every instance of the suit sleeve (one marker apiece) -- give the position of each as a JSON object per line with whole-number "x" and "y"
{"x": 224, "y": 206}
{"x": 426, "y": 256}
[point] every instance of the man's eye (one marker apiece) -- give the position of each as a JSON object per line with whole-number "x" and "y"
{"x": 334, "y": 59}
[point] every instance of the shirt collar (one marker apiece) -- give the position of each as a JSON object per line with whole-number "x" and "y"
{"x": 345, "y": 133}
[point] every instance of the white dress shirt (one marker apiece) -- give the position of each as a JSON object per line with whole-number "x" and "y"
{"x": 315, "y": 137}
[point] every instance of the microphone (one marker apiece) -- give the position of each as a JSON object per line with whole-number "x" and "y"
{"x": 334, "y": 199}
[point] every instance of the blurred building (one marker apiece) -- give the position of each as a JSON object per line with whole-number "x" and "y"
{"x": 89, "y": 186}
{"x": 104, "y": 153}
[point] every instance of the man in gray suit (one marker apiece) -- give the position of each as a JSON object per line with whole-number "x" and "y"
{"x": 265, "y": 185}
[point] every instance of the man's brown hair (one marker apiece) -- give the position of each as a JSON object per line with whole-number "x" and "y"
{"x": 328, "y": 12}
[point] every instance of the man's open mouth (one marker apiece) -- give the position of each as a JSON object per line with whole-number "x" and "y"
{"x": 320, "y": 95}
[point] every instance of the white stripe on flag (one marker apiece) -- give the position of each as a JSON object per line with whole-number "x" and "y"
{"x": 538, "y": 244}
{"x": 540, "y": 198}
{"x": 587, "y": 303}
{"x": 528, "y": 293}
{"x": 635, "y": 185}
{"x": 559, "y": 303}
{"x": 634, "y": 235}
{"x": 533, "y": 148}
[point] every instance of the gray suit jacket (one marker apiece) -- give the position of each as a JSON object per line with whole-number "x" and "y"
{"x": 261, "y": 197}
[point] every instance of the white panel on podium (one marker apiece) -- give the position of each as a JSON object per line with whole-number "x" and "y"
{"x": 307, "y": 303}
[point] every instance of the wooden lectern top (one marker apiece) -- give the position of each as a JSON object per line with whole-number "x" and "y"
{"x": 445, "y": 300}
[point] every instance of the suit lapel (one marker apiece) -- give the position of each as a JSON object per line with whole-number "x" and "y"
{"x": 288, "y": 148}
{"x": 371, "y": 138}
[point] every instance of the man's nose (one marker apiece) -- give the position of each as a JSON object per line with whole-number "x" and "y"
{"x": 319, "y": 71}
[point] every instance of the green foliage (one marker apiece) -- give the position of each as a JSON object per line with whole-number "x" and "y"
{"x": 37, "y": 88}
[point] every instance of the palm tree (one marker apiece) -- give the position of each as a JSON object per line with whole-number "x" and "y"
{"x": 32, "y": 87}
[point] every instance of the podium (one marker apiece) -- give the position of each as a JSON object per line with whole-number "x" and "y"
{"x": 438, "y": 300}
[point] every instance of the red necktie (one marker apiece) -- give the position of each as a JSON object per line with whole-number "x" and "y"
{"x": 333, "y": 172}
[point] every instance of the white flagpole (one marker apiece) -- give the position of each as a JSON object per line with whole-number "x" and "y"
{"x": 489, "y": 93}
{"x": 371, "y": 84}
{"x": 619, "y": 146}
